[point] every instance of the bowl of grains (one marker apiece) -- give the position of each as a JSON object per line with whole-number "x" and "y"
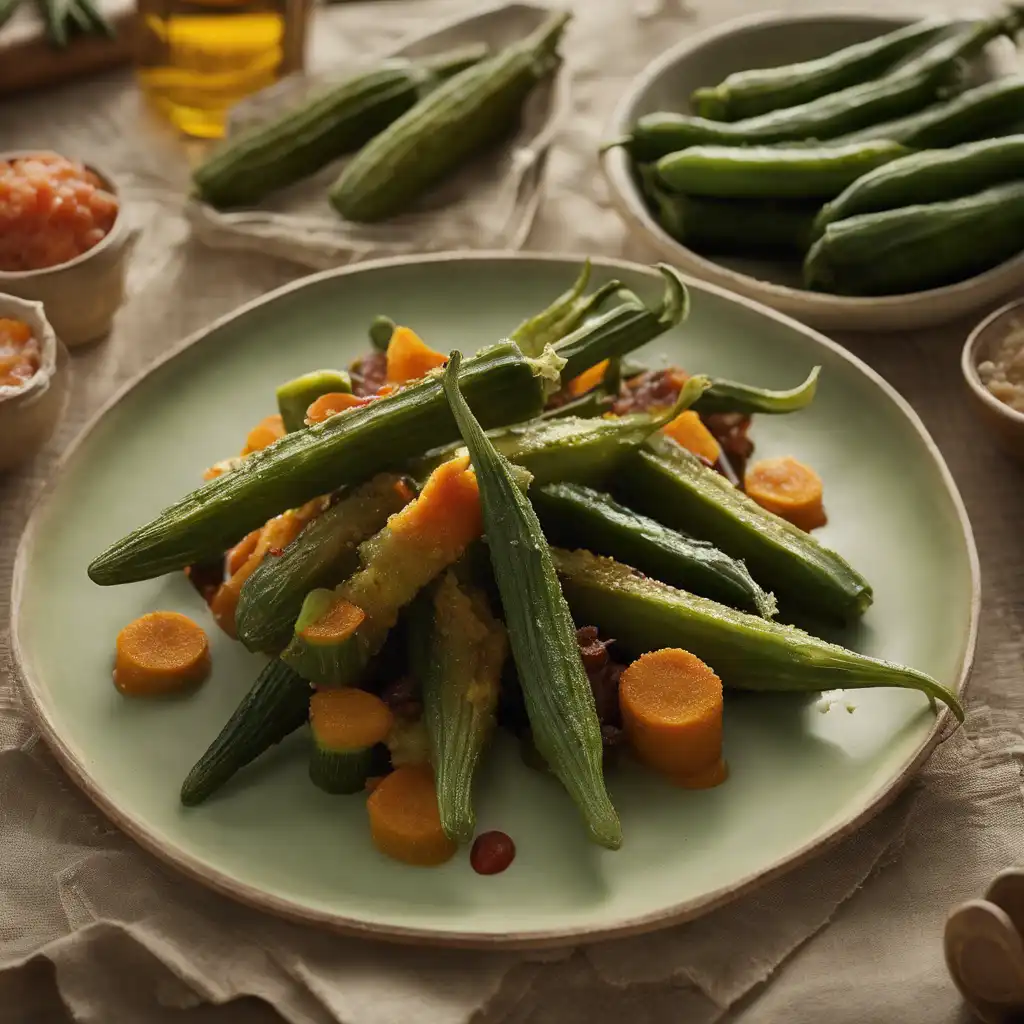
{"x": 63, "y": 241}
{"x": 993, "y": 366}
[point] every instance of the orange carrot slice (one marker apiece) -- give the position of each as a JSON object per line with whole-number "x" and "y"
{"x": 789, "y": 489}
{"x": 688, "y": 430}
{"x": 264, "y": 434}
{"x": 671, "y": 704}
{"x": 349, "y": 719}
{"x": 588, "y": 379}
{"x": 239, "y": 554}
{"x": 330, "y": 405}
{"x": 340, "y": 621}
{"x": 446, "y": 515}
{"x": 161, "y": 652}
{"x": 276, "y": 535}
{"x": 405, "y": 823}
{"x": 409, "y": 358}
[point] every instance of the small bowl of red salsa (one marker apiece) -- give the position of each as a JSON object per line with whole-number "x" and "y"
{"x": 33, "y": 370}
{"x": 63, "y": 241}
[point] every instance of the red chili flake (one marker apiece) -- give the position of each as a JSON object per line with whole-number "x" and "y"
{"x": 275, "y": 552}
{"x": 492, "y": 853}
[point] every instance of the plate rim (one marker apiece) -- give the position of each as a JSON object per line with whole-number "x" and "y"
{"x": 884, "y": 312}
{"x": 257, "y": 898}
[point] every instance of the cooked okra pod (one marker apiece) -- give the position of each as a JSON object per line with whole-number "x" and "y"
{"x": 746, "y": 651}
{"x": 559, "y": 701}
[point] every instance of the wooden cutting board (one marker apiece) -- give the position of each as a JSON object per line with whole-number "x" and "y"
{"x": 29, "y": 61}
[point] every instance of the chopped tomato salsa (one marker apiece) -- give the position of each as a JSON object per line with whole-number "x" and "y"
{"x": 51, "y": 210}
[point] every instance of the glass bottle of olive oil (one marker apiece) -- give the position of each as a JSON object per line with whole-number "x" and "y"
{"x": 197, "y": 58}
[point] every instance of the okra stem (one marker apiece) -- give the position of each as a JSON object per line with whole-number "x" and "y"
{"x": 613, "y": 334}
{"x": 730, "y": 396}
{"x": 532, "y": 334}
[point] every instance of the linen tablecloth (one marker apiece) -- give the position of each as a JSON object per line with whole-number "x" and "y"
{"x": 94, "y": 930}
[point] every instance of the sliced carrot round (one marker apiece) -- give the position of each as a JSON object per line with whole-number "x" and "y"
{"x": 264, "y": 434}
{"x": 671, "y": 704}
{"x": 275, "y": 535}
{"x": 239, "y": 554}
{"x": 159, "y": 653}
{"x": 688, "y": 430}
{"x": 348, "y": 719}
{"x": 405, "y": 822}
{"x": 340, "y": 620}
{"x": 330, "y": 405}
{"x": 789, "y": 489}
{"x": 588, "y": 379}
{"x": 409, "y": 357}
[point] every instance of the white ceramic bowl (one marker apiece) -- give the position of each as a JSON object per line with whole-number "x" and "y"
{"x": 768, "y": 40}
{"x": 1004, "y": 422}
{"x": 82, "y": 295}
{"x": 29, "y": 414}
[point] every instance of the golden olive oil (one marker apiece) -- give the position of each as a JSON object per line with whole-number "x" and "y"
{"x": 197, "y": 59}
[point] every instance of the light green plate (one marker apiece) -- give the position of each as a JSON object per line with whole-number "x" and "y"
{"x": 799, "y": 777}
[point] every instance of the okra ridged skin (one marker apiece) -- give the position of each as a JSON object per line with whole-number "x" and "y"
{"x": 668, "y": 483}
{"x": 929, "y": 177}
{"x": 751, "y": 93}
{"x": 581, "y": 517}
{"x": 458, "y": 119}
{"x": 557, "y": 692}
{"x": 341, "y": 772}
{"x": 915, "y": 248}
{"x": 330, "y": 665}
{"x": 771, "y": 227}
{"x": 773, "y": 172}
{"x": 566, "y": 448}
{"x": 576, "y": 450}
{"x": 456, "y": 650}
{"x": 975, "y": 114}
{"x": 746, "y": 651}
{"x": 276, "y": 706}
{"x": 499, "y": 382}
{"x": 656, "y": 135}
{"x": 333, "y": 122}
{"x": 324, "y": 553}
{"x": 905, "y": 92}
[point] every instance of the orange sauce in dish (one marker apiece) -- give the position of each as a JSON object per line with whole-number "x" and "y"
{"x": 20, "y": 356}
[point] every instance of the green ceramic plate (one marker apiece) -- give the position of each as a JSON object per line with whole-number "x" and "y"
{"x": 799, "y": 778}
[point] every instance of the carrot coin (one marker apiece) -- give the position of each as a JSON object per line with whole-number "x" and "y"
{"x": 160, "y": 652}
{"x": 788, "y": 488}
{"x": 671, "y": 704}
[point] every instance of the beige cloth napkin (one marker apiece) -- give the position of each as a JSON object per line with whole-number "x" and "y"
{"x": 92, "y": 927}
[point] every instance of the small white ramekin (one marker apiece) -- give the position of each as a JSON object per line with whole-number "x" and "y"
{"x": 29, "y": 414}
{"x": 82, "y": 295}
